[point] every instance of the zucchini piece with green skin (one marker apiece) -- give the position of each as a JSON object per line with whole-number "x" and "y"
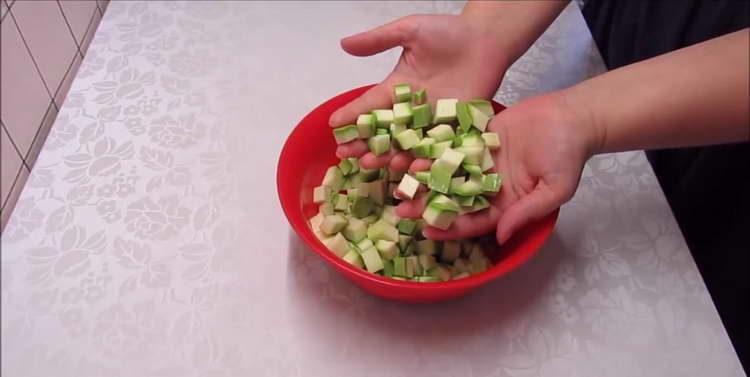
{"x": 388, "y": 268}
{"x": 364, "y": 244}
{"x": 366, "y": 125}
{"x": 379, "y": 144}
{"x": 472, "y": 187}
{"x": 337, "y": 245}
{"x": 423, "y": 147}
{"x": 421, "y": 115}
{"x": 423, "y": 177}
{"x": 345, "y": 166}
{"x": 440, "y": 272}
{"x": 437, "y": 149}
{"x": 396, "y": 129}
{"x": 455, "y": 183}
{"x": 399, "y": 266}
{"x": 451, "y": 251}
{"x": 333, "y": 178}
{"x": 440, "y": 177}
{"x": 407, "y": 188}
{"x": 355, "y": 230}
{"x": 427, "y": 262}
{"x": 361, "y": 207}
{"x": 420, "y": 133}
{"x": 333, "y": 224}
{"x": 491, "y": 140}
{"x": 478, "y": 118}
{"x": 352, "y": 257}
{"x": 376, "y": 191}
{"x": 491, "y": 183}
{"x": 345, "y": 134}
{"x": 472, "y": 140}
{"x": 427, "y": 247}
{"x": 372, "y": 219}
{"x": 427, "y": 279}
{"x": 419, "y": 97}
{"x": 406, "y": 226}
{"x": 472, "y": 169}
{"x": 464, "y": 201}
{"x": 372, "y": 260}
{"x": 388, "y": 249}
{"x": 355, "y": 164}
{"x": 404, "y": 241}
{"x": 322, "y": 194}
{"x": 410, "y": 249}
{"x": 480, "y": 203}
{"x": 383, "y": 117}
{"x": 445, "y": 110}
{"x": 389, "y": 215}
{"x": 412, "y": 266}
{"x": 473, "y": 154}
{"x": 487, "y": 161}
{"x": 464, "y": 116}
{"x": 402, "y": 113}
{"x": 326, "y": 208}
{"x": 382, "y": 131}
{"x": 441, "y": 132}
{"x": 382, "y": 230}
{"x": 441, "y": 219}
{"x": 461, "y": 265}
{"x": 450, "y": 159}
{"x": 402, "y": 92}
{"x": 368, "y": 175}
{"x": 484, "y": 106}
{"x": 340, "y": 202}
{"x": 443, "y": 202}
{"x": 407, "y": 139}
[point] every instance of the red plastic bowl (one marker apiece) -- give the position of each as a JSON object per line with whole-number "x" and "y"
{"x": 310, "y": 150}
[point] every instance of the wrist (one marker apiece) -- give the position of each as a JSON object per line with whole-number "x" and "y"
{"x": 582, "y": 120}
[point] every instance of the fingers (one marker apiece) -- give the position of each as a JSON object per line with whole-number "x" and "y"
{"x": 466, "y": 226}
{"x": 401, "y": 161}
{"x": 534, "y": 206}
{"x": 412, "y": 209}
{"x": 355, "y": 148}
{"x": 379, "y": 39}
{"x": 377, "y": 97}
{"x": 420, "y": 164}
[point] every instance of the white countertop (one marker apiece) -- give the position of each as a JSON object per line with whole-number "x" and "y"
{"x": 149, "y": 240}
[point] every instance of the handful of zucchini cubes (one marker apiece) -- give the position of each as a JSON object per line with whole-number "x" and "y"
{"x": 357, "y": 219}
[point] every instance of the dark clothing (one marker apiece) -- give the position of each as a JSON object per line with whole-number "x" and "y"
{"x": 708, "y": 188}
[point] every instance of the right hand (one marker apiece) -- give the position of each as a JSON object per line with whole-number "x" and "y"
{"x": 444, "y": 54}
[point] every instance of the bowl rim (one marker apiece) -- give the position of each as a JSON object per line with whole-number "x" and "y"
{"x": 506, "y": 265}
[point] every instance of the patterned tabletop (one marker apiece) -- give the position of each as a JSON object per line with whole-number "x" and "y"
{"x": 149, "y": 240}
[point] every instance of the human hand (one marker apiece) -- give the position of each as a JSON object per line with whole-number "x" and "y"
{"x": 444, "y": 54}
{"x": 545, "y": 144}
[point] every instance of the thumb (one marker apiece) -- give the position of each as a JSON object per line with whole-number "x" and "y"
{"x": 379, "y": 39}
{"x": 538, "y": 203}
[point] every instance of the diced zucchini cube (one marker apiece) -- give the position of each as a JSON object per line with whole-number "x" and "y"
{"x": 382, "y": 230}
{"x": 452, "y": 159}
{"x": 464, "y": 115}
{"x": 355, "y": 164}
{"x": 383, "y": 117}
{"x": 396, "y": 129}
{"x": 338, "y": 245}
{"x": 491, "y": 183}
{"x": 399, "y": 266}
{"x": 322, "y": 194}
{"x": 376, "y": 191}
{"x": 484, "y": 106}
{"x": 365, "y": 244}
{"x": 451, "y": 251}
{"x": 345, "y": 134}
{"x": 491, "y": 140}
{"x": 440, "y": 177}
{"x": 471, "y": 187}
{"x": 402, "y": 113}
{"x": 373, "y": 261}
{"x": 427, "y": 279}
{"x": 402, "y": 92}
{"x": 379, "y": 144}
{"x": 388, "y": 249}
{"x": 406, "y": 226}
{"x": 353, "y": 258}
{"x": 407, "y": 139}
{"x": 472, "y": 139}
{"x": 427, "y": 262}
{"x": 479, "y": 119}
{"x": 326, "y": 208}
{"x": 423, "y": 177}
{"x": 487, "y": 161}
{"x": 421, "y": 115}
{"x": 382, "y": 131}
{"x": 388, "y": 268}
{"x": 404, "y": 241}
{"x": 407, "y": 188}
{"x": 464, "y": 201}
{"x": 437, "y": 149}
{"x": 423, "y": 147}
{"x": 369, "y": 175}
{"x": 461, "y": 265}
{"x": 443, "y": 202}
{"x": 480, "y": 203}
{"x": 445, "y": 110}
{"x": 389, "y": 215}
{"x": 355, "y": 230}
{"x": 455, "y": 183}
{"x": 372, "y": 219}
{"x": 333, "y": 179}
{"x": 361, "y": 207}
{"x": 333, "y": 224}
{"x": 366, "y": 125}
{"x": 473, "y": 154}
{"x": 471, "y": 168}
{"x": 340, "y": 202}
{"x": 410, "y": 249}
{"x": 412, "y": 266}
{"x": 345, "y": 166}
{"x": 438, "y": 218}
{"x": 419, "y": 97}
{"x": 441, "y": 132}
{"x": 316, "y": 220}
{"x": 419, "y": 132}
{"x": 440, "y": 272}
{"x": 427, "y": 247}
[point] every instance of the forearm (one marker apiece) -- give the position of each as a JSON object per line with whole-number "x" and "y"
{"x": 697, "y": 95}
{"x": 514, "y": 24}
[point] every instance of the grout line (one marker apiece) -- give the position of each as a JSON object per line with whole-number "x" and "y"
{"x": 98, "y": 8}
{"x": 7, "y": 10}
{"x": 36, "y": 135}
{"x": 88, "y": 27}
{"x": 28, "y": 50}
{"x": 13, "y": 143}
{"x": 67, "y": 72}
{"x": 70, "y": 29}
